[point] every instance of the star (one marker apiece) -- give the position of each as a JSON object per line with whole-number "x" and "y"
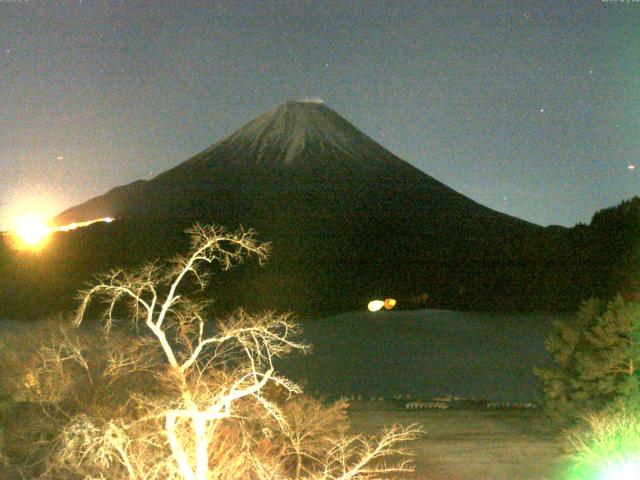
{"x": 542, "y": 110}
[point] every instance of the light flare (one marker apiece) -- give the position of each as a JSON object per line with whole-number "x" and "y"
{"x": 625, "y": 470}
{"x": 75, "y": 225}
{"x": 32, "y": 232}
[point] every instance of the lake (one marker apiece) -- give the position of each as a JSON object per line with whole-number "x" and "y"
{"x": 425, "y": 353}
{"x": 421, "y": 353}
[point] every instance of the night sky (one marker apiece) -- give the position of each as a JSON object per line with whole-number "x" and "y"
{"x": 530, "y": 108}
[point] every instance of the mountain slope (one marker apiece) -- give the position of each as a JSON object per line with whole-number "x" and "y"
{"x": 298, "y": 147}
{"x": 348, "y": 220}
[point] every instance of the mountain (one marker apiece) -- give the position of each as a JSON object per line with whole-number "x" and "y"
{"x": 348, "y": 221}
{"x": 300, "y": 148}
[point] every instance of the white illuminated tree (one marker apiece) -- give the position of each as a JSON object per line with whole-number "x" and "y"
{"x": 200, "y": 378}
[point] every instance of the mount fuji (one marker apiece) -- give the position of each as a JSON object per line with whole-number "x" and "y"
{"x": 348, "y": 221}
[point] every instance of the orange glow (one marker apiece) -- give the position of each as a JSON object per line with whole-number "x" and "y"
{"x": 389, "y": 303}
{"x": 31, "y": 232}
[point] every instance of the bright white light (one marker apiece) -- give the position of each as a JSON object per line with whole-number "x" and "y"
{"x": 31, "y": 231}
{"x": 626, "y": 470}
{"x": 375, "y": 305}
{"x": 76, "y": 225}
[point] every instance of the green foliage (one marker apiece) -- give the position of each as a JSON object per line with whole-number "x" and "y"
{"x": 606, "y": 447}
{"x": 596, "y": 355}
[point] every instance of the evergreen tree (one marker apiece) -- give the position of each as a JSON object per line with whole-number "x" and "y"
{"x": 597, "y": 356}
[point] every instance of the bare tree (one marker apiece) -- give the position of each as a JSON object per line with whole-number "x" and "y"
{"x": 213, "y": 405}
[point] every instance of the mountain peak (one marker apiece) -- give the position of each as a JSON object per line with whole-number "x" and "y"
{"x": 300, "y": 115}
{"x": 307, "y": 104}
{"x": 297, "y": 134}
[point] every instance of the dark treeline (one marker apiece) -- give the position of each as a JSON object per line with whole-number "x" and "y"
{"x": 568, "y": 265}
{"x": 546, "y": 270}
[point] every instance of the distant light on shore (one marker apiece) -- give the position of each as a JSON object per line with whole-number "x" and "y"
{"x": 375, "y": 305}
